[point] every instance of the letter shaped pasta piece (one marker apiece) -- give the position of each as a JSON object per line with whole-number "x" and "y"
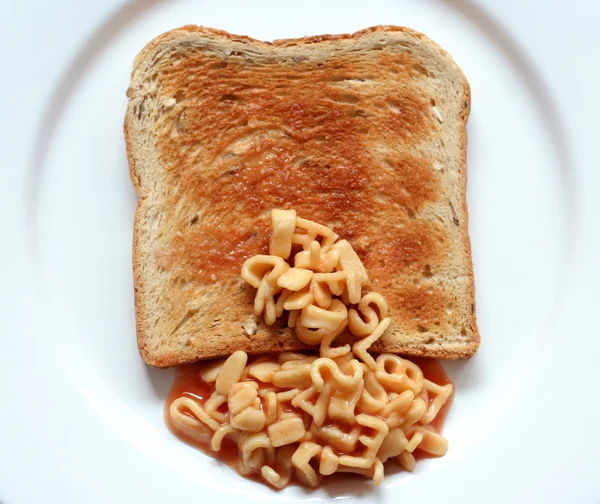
{"x": 250, "y": 419}
{"x": 256, "y": 450}
{"x": 393, "y": 445}
{"x": 441, "y": 393}
{"x": 407, "y": 461}
{"x": 257, "y": 267}
{"x": 284, "y": 225}
{"x": 360, "y": 348}
{"x": 321, "y": 293}
{"x": 309, "y": 259}
{"x": 375, "y": 471}
{"x": 313, "y": 402}
{"x": 212, "y": 405}
{"x": 301, "y": 462}
{"x": 343, "y": 361}
{"x": 412, "y": 416}
{"x": 314, "y": 336}
{"x": 323, "y": 285}
{"x": 264, "y": 390}
{"x": 271, "y": 476}
{"x": 353, "y": 287}
{"x": 329, "y": 461}
{"x": 288, "y": 395}
{"x": 378, "y": 472}
{"x": 292, "y": 318}
{"x": 310, "y": 336}
{"x": 270, "y": 407}
{"x": 334, "y": 281}
{"x": 314, "y": 317}
{"x": 398, "y": 374}
{"x": 294, "y": 377}
{"x": 433, "y": 443}
{"x": 371, "y": 441}
{"x": 263, "y": 371}
{"x": 303, "y": 240}
{"x": 416, "y": 436}
{"x": 325, "y": 350}
{"x": 209, "y": 371}
{"x": 286, "y": 431}
{"x": 279, "y": 305}
{"x": 399, "y": 404}
{"x": 262, "y": 272}
{"x": 295, "y": 279}
{"x": 360, "y": 327}
{"x": 315, "y": 230}
{"x": 349, "y": 260}
{"x": 374, "y": 397}
{"x": 333, "y": 435}
{"x": 298, "y": 300}
{"x": 264, "y": 301}
{"x": 329, "y": 260}
{"x": 283, "y": 462}
{"x": 338, "y": 379}
{"x": 221, "y": 433}
{"x": 342, "y": 404}
{"x": 241, "y": 396}
{"x": 198, "y": 426}
{"x": 231, "y": 372}
{"x": 284, "y": 413}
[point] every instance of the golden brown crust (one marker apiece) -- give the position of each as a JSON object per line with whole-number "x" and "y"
{"x": 314, "y": 145}
{"x": 467, "y": 242}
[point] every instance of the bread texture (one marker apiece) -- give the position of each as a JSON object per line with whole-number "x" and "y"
{"x": 362, "y": 132}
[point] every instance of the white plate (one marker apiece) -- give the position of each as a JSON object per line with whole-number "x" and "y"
{"x": 81, "y": 415}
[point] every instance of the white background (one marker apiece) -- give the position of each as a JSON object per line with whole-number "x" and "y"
{"x": 80, "y": 415}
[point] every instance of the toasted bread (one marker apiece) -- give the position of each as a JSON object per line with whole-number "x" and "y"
{"x": 362, "y": 132}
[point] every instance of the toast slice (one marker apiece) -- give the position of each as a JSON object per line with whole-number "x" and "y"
{"x": 362, "y": 132}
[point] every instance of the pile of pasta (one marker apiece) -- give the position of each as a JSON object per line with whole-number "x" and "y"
{"x": 312, "y": 416}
